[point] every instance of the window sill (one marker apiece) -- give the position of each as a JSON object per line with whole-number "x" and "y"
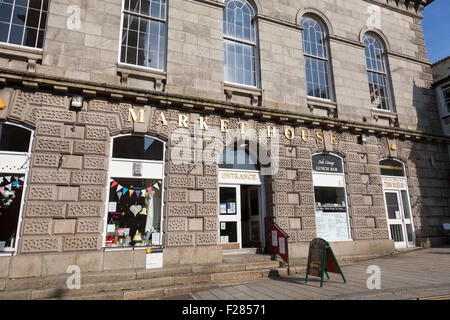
{"x": 254, "y": 93}
{"x": 30, "y": 55}
{"x": 131, "y": 71}
{"x": 318, "y": 103}
{"x": 380, "y": 114}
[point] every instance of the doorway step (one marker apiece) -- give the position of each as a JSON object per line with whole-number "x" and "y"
{"x": 131, "y": 284}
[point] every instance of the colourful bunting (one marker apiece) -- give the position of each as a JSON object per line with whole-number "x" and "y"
{"x": 131, "y": 192}
{"x": 140, "y": 192}
{"x": 2, "y": 190}
{"x": 114, "y": 183}
{"x": 119, "y": 187}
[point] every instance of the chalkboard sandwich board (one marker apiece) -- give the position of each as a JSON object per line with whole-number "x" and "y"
{"x": 321, "y": 260}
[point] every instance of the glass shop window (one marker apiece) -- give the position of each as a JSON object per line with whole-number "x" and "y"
{"x": 138, "y": 147}
{"x": 14, "y": 147}
{"x": 134, "y": 213}
{"x": 330, "y": 199}
{"x": 391, "y": 168}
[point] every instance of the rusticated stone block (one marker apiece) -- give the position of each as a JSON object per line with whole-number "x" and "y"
{"x": 303, "y": 153}
{"x": 68, "y": 193}
{"x": 95, "y": 163}
{"x": 50, "y": 176}
{"x": 179, "y": 168}
{"x": 195, "y": 196}
{"x": 372, "y": 168}
{"x": 210, "y": 170}
{"x": 180, "y": 239}
{"x": 176, "y": 224}
{"x": 85, "y": 209}
{"x": 284, "y": 163}
{"x": 355, "y": 167}
{"x": 211, "y": 224}
{"x": 88, "y": 177}
{"x": 302, "y": 164}
{"x": 306, "y": 235}
{"x": 49, "y": 114}
{"x": 283, "y": 223}
{"x": 42, "y": 192}
{"x": 181, "y": 182}
{"x": 356, "y": 200}
{"x": 37, "y": 226}
{"x": 378, "y": 211}
{"x": 72, "y": 162}
{"x": 50, "y": 129}
{"x": 90, "y": 147}
{"x": 295, "y": 223}
{"x": 378, "y": 200}
{"x": 97, "y": 133}
{"x": 304, "y": 175}
{"x": 282, "y": 186}
{"x": 374, "y": 189}
{"x": 292, "y": 234}
{"x": 309, "y": 223}
{"x": 177, "y": 195}
{"x": 370, "y": 222}
{"x": 354, "y": 178}
{"x": 304, "y": 211}
{"x": 211, "y": 195}
{"x": 92, "y": 194}
{"x": 53, "y": 145}
{"x": 280, "y": 175}
{"x": 280, "y": 198}
{"x": 293, "y": 198}
{"x": 380, "y": 223}
{"x": 362, "y": 234}
{"x": 70, "y": 133}
{"x": 82, "y": 242}
{"x": 45, "y": 160}
{"x": 204, "y": 210}
{"x": 291, "y": 174}
{"x": 180, "y": 210}
{"x": 285, "y": 211}
{"x": 64, "y": 226}
{"x": 195, "y": 224}
{"x": 40, "y": 244}
{"x": 206, "y": 182}
{"x": 380, "y": 233}
{"x": 359, "y": 222}
{"x": 100, "y": 119}
{"x": 358, "y": 189}
{"x": 206, "y": 238}
{"x": 45, "y": 209}
{"x": 89, "y": 225}
{"x": 306, "y": 199}
{"x": 302, "y": 186}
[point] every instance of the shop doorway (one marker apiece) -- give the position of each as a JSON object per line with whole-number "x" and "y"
{"x": 398, "y": 209}
{"x": 240, "y": 216}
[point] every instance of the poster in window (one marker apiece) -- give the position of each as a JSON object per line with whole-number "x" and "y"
{"x": 223, "y": 208}
{"x": 112, "y": 206}
{"x": 224, "y": 239}
{"x": 231, "y": 209}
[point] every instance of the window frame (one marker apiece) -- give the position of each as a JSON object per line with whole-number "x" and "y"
{"x": 444, "y": 103}
{"x": 385, "y": 74}
{"x": 254, "y": 46}
{"x": 110, "y": 176}
{"x": 22, "y": 46}
{"x": 136, "y": 66}
{"x": 25, "y": 184}
{"x": 326, "y": 59}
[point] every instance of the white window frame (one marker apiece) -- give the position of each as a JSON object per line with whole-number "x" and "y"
{"x": 111, "y": 159}
{"x": 345, "y": 194}
{"x": 25, "y": 172}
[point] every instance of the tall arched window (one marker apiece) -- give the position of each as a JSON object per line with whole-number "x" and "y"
{"x": 377, "y": 73}
{"x": 240, "y": 43}
{"x": 14, "y": 159}
{"x": 135, "y": 192}
{"x": 315, "y": 50}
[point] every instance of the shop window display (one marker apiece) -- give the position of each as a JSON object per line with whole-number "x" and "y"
{"x": 134, "y": 213}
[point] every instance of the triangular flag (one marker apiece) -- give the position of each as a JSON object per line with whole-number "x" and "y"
{"x": 119, "y": 187}
{"x": 119, "y": 195}
{"x": 8, "y": 187}
{"x": 143, "y": 193}
{"x": 2, "y": 190}
{"x": 114, "y": 183}
{"x": 138, "y": 193}
{"x": 8, "y": 178}
{"x": 21, "y": 179}
{"x": 156, "y": 185}
{"x": 124, "y": 190}
{"x": 131, "y": 192}
{"x": 16, "y": 183}
{"x": 149, "y": 189}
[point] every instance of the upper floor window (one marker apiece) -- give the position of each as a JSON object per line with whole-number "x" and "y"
{"x": 377, "y": 73}
{"x": 23, "y": 22}
{"x": 315, "y": 50}
{"x": 144, "y": 33}
{"x": 240, "y": 43}
{"x": 446, "y": 98}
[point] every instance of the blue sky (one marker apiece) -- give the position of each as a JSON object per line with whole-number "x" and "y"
{"x": 436, "y": 28}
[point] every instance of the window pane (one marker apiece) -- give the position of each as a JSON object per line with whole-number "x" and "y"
{"x": 14, "y": 138}
{"x": 131, "y": 55}
{"x": 33, "y": 18}
{"x": 19, "y": 15}
{"x": 30, "y": 37}
{"x": 5, "y": 12}
{"x": 4, "y": 29}
{"x": 16, "y": 34}
{"x": 135, "y": 147}
{"x": 35, "y": 4}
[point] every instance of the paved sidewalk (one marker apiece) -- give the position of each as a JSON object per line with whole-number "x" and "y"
{"x": 423, "y": 273}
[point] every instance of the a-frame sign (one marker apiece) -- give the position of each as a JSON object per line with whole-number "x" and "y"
{"x": 321, "y": 260}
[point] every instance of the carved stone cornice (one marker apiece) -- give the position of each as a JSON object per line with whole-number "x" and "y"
{"x": 89, "y": 89}
{"x": 409, "y": 7}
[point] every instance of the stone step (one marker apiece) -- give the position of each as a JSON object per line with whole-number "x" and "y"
{"x": 129, "y": 280}
{"x": 243, "y": 258}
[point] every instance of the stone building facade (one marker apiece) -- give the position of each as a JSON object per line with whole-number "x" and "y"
{"x": 65, "y": 205}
